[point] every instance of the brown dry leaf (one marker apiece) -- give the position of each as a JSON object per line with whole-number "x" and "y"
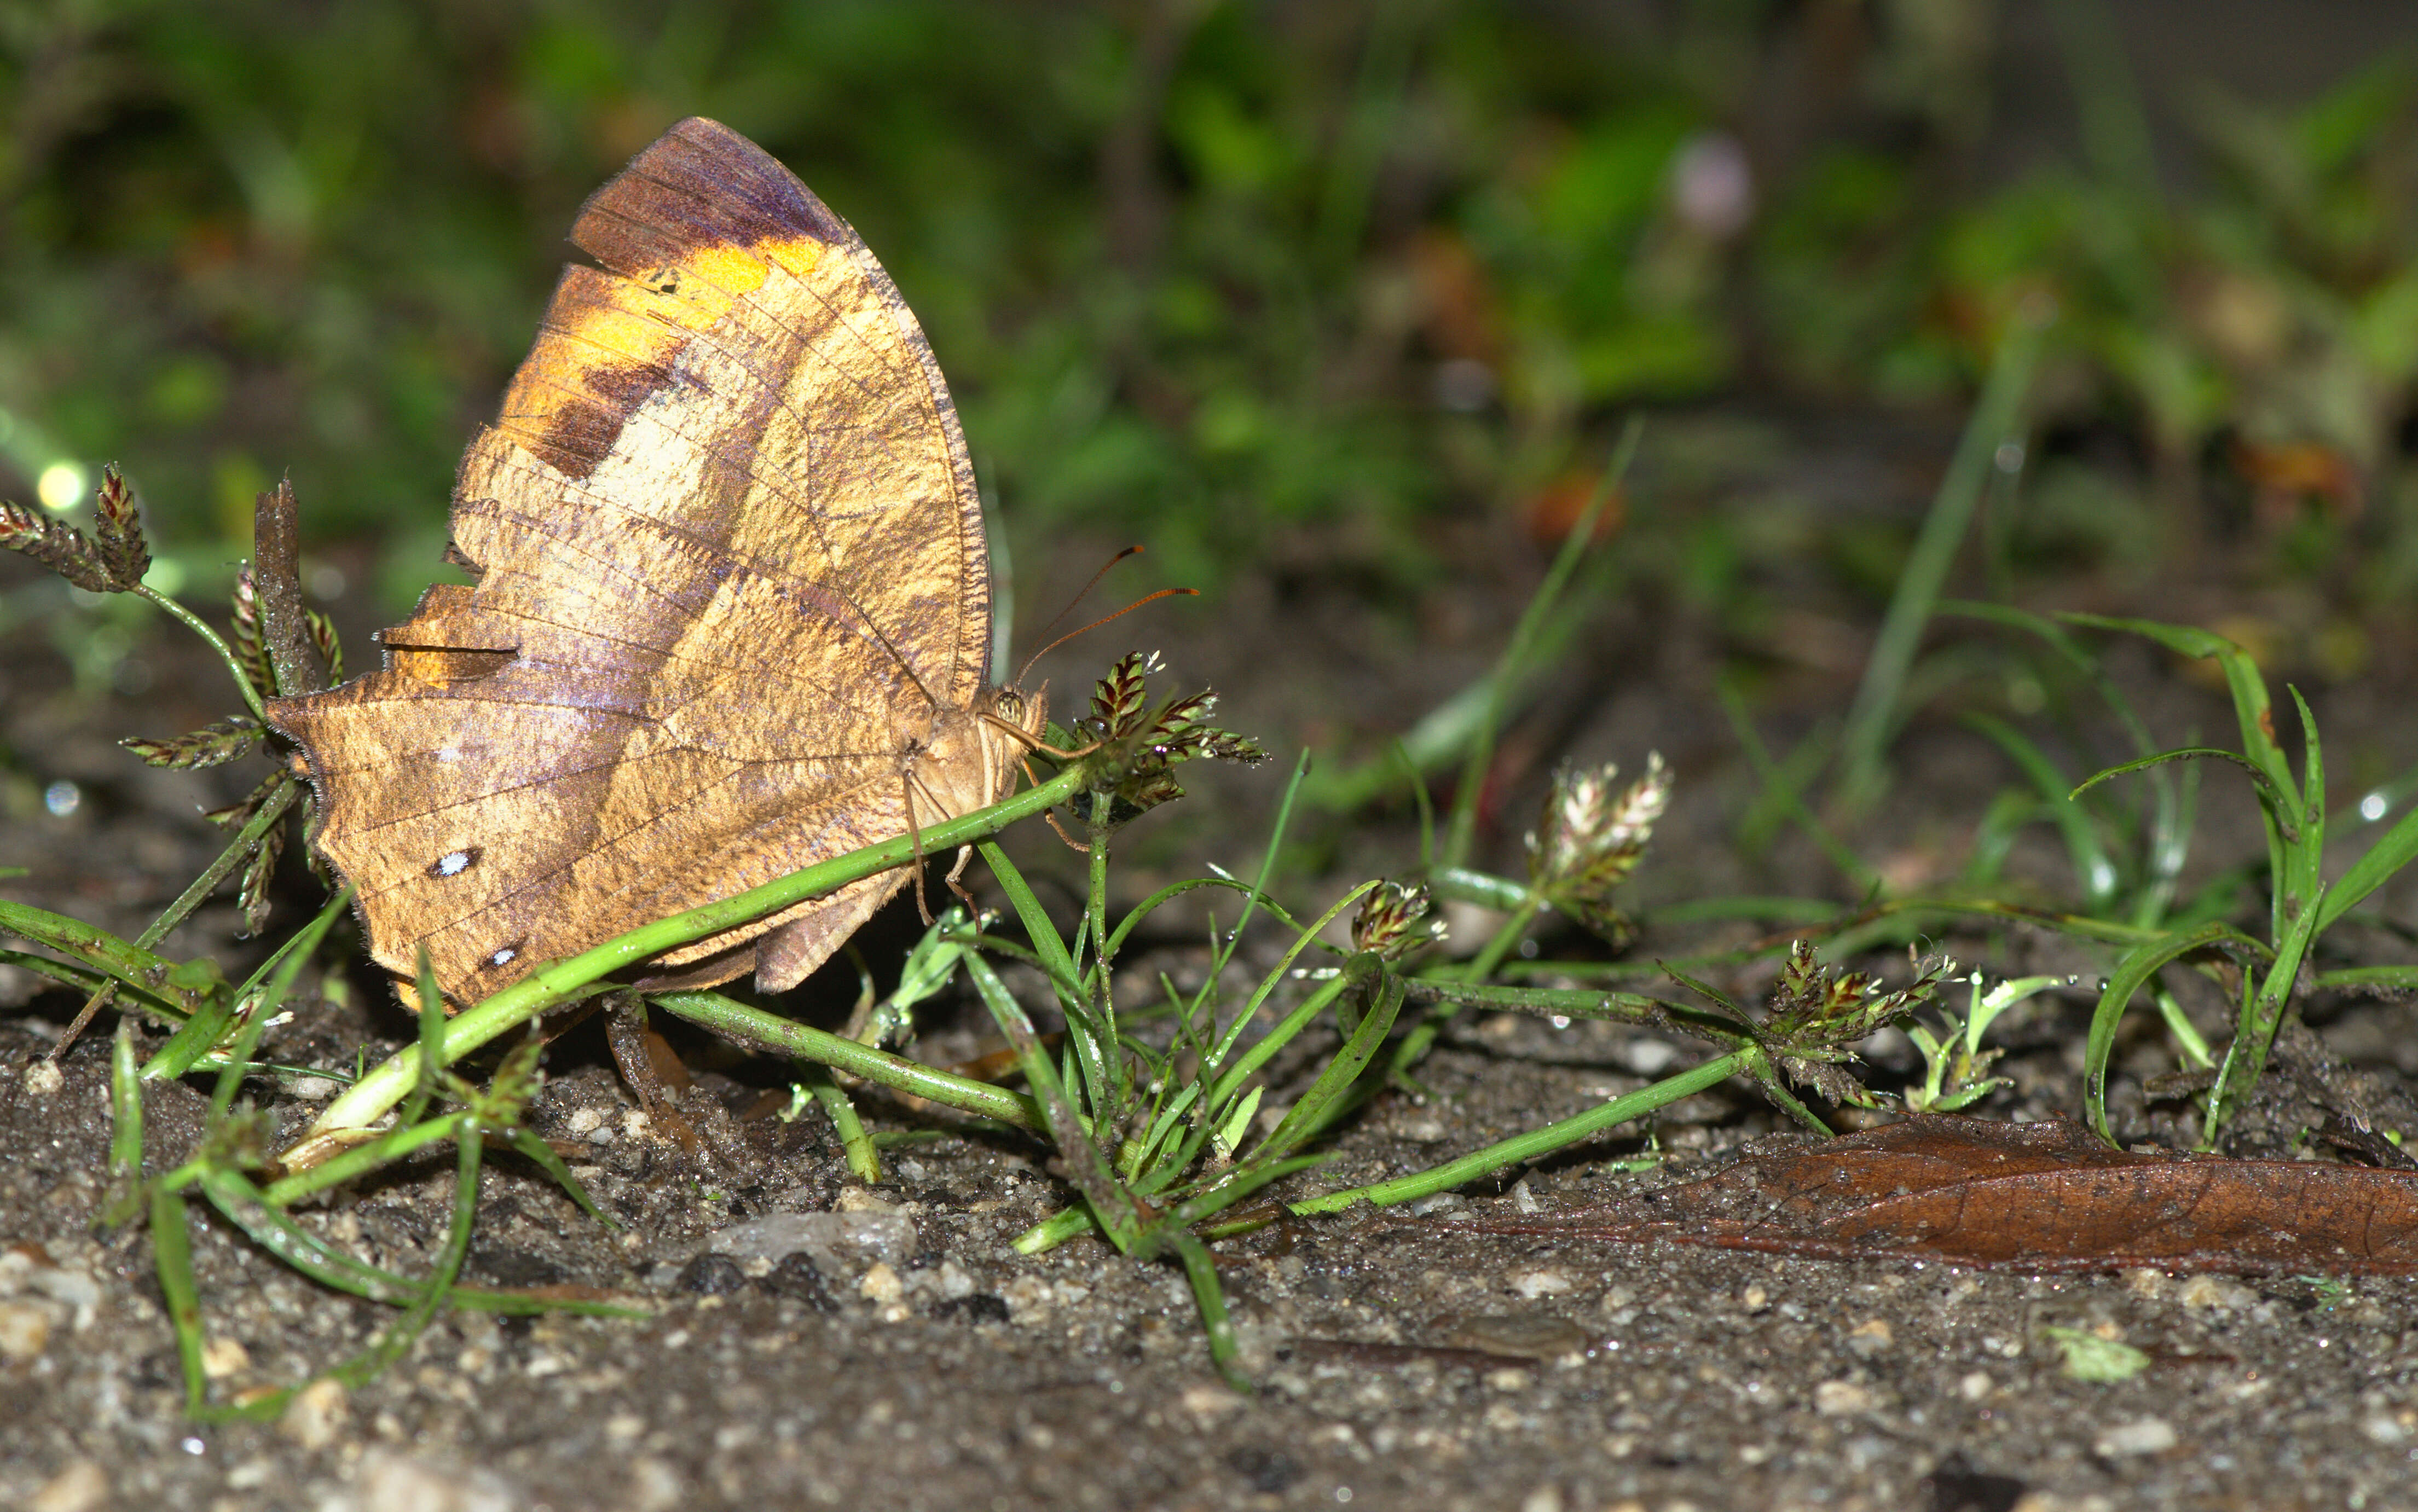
{"x": 2038, "y": 1197}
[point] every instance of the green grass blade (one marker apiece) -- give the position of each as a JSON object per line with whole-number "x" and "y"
{"x": 186, "y": 1048}
{"x": 251, "y": 1209}
{"x": 1209, "y": 1296}
{"x": 1781, "y": 791}
{"x": 172, "y": 1253}
{"x": 1878, "y": 710}
{"x": 2251, "y": 705}
{"x": 124, "y": 1202}
{"x": 1520, "y": 654}
{"x": 240, "y": 850}
{"x": 864, "y": 1161}
{"x": 1536, "y": 1143}
{"x": 1251, "y": 895}
{"x": 2388, "y": 978}
{"x": 1089, "y": 1042}
{"x": 1303, "y": 939}
{"x": 2305, "y": 875}
{"x": 399, "y": 1335}
{"x": 2068, "y": 651}
{"x": 88, "y": 981}
{"x": 294, "y": 955}
{"x": 1994, "y": 837}
{"x": 185, "y": 987}
{"x": 2278, "y": 799}
{"x": 1087, "y": 1166}
{"x": 2131, "y": 974}
{"x": 749, "y": 1025}
{"x": 1484, "y": 889}
{"x": 1324, "y": 1101}
{"x": 2245, "y": 1059}
{"x": 125, "y": 1107}
{"x": 2377, "y": 865}
{"x": 2253, "y": 713}
{"x": 2089, "y": 858}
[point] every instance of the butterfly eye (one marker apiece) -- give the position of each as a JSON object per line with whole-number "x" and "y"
{"x": 1010, "y": 705}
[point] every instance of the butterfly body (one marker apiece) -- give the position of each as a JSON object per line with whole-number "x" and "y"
{"x": 730, "y": 612}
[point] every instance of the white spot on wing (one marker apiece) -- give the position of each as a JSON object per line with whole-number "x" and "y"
{"x": 452, "y": 864}
{"x": 503, "y": 956}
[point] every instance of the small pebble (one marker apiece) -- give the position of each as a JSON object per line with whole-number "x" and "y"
{"x": 655, "y": 1486}
{"x": 710, "y": 1275}
{"x": 1540, "y": 1283}
{"x": 223, "y": 1357}
{"x": 837, "y": 1242}
{"x": 948, "y": 1280}
{"x": 24, "y": 1330}
{"x": 1754, "y": 1299}
{"x": 2145, "y": 1283}
{"x": 1029, "y": 1298}
{"x": 1545, "y": 1498}
{"x": 391, "y": 1482}
{"x": 1842, "y": 1399}
{"x": 2144, "y": 1435}
{"x": 2215, "y": 1293}
{"x": 82, "y": 1486}
{"x": 795, "y": 1276}
{"x": 43, "y": 1079}
{"x": 1870, "y": 1337}
{"x": 315, "y": 1415}
{"x": 881, "y": 1285}
{"x": 1975, "y": 1386}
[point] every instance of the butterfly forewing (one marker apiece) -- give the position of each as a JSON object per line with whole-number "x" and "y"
{"x": 727, "y": 545}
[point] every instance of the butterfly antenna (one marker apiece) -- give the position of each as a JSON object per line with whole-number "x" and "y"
{"x": 1147, "y": 598}
{"x": 1129, "y": 551}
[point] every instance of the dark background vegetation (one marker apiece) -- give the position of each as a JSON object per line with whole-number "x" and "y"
{"x": 1327, "y": 288}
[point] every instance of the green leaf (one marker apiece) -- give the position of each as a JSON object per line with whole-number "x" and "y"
{"x": 2089, "y": 1357}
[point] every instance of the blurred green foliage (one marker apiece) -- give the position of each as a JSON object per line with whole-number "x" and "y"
{"x": 1237, "y": 279}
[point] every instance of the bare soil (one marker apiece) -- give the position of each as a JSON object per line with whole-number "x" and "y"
{"x": 817, "y": 1342}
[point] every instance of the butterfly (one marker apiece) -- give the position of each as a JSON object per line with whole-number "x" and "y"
{"x": 729, "y": 617}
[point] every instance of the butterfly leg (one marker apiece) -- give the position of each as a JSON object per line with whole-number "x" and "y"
{"x": 649, "y": 1069}
{"x": 916, "y": 832}
{"x": 965, "y": 854}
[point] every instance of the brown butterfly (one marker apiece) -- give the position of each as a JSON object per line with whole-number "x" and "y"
{"x": 731, "y": 611}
